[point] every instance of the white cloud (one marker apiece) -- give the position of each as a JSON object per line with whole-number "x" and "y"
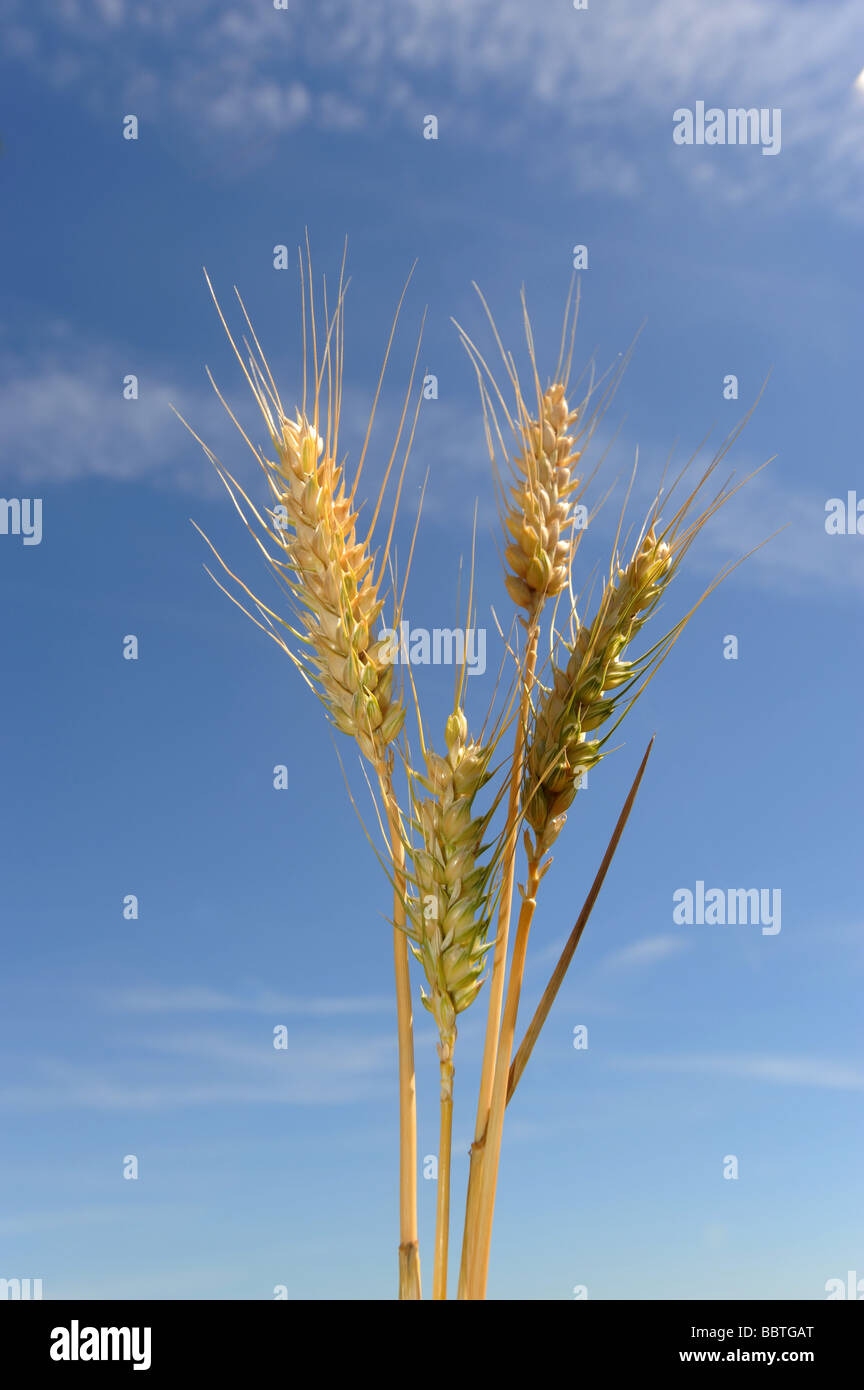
{"x": 198, "y": 999}
{"x": 778, "y": 513}
{"x": 63, "y": 417}
{"x": 501, "y": 71}
{"x": 645, "y": 952}
{"x": 783, "y": 1071}
{"x": 34, "y": 1222}
{"x": 213, "y": 1068}
{"x": 800, "y": 558}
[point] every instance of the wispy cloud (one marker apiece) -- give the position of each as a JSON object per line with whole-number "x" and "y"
{"x": 207, "y": 1067}
{"x": 784, "y": 1071}
{"x": 251, "y": 72}
{"x": 800, "y": 557}
{"x": 645, "y": 952}
{"x": 779, "y": 515}
{"x": 201, "y": 999}
{"x": 35, "y": 1222}
{"x": 63, "y": 417}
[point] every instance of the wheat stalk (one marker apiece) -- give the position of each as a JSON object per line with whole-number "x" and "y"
{"x": 541, "y": 1013}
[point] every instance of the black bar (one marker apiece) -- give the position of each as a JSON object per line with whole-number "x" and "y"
{"x": 219, "y": 1339}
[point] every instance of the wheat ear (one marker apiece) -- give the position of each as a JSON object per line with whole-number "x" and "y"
{"x": 583, "y": 696}
{"x": 309, "y": 538}
{"x": 538, "y": 513}
{"x": 448, "y": 917}
{"x": 450, "y": 907}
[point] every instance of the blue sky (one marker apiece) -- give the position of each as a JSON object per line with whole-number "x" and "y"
{"x": 261, "y": 907}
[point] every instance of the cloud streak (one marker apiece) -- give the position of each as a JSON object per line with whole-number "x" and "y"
{"x": 63, "y": 417}
{"x": 645, "y": 952}
{"x": 820, "y": 1073}
{"x": 201, "y": 999}
{"x": 211, "y": 1068}
{"x": 76, "y": 397}
{"x": 618, "y": 71}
